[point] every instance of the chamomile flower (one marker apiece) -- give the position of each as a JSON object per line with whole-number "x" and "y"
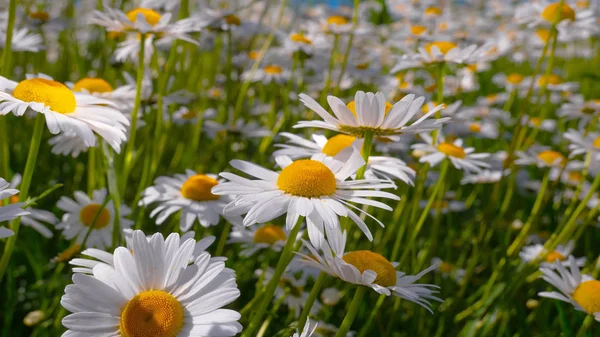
{"x": 11, "y": 211}
{"x": 340, "y": 147}
{"x": 36, "y": 216}
{"x": 448, "y": 270}
{"x": 585, "y": 111}
{"x": 154, "y": 279}
{"x": 64, "y": 109}
{"x": 245, "y": 129}
{"x": 270, "y": 73}
{"x": 559, "y": 255}
{"x": 442, "y": 52}
{"x": 317, "y": 189}
{"x": 483, "y": 177}
{"x": 369, "y": 269}
{"x": 444, "y": 206}
{"x": 548, "y": 12}
{"x": 256, "y": 238}
{"x": 191, "y": 194}
{"x": 461, "y": 157}
{"x": 80, "y": 214}
{"x": 122, "y": 95}
{"x": 582, "y": 291}
{"x": 23, "y": 40}
{"x": 68, "y": 144}
{"x": 582, "y": 143}
{"x": 541, "y": 156}
{"x": 370, "y": 112}
{"x": 308, "y": 330}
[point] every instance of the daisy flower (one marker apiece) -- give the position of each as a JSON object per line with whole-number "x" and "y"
{"x": 548, "y": 12}
{"x": 23, "y": 40}
{"x": 461, "y": 158}
{"x": 123, "y": 95}
{"x": 331, "y": 296}
{"x": 370, "y": 112}
{"x": 582, "y": 291}
{"x": 483, "y": 177}
{"x": 369, "y": 269}
{"x": 153, "y": 290}
{"x": 253, "y": 239}
{"x": 270, "y": 73}
{"x": 448, "y": 270}
{"x": 558, "y": 256}
{"x": 250, "y": 129}
{"x": 443, "y": 52}
{"x": 340, "y": 147}
{"x": 444, "y": 206}
{"x": 541, "y": 157}
{"x": 80, "y": 215}
{"x": 64, "y": 109}
{"x": 317, "y": 189}
{"x": 67, "y": 144}
{"x": 191, "y": 194}
{"x": 583, "y": 143}
{"x": 308, "y": 330}
{"x": 585, "y": 111}
{"x": 36, "y": 216}
{"x": 11, "y": 211}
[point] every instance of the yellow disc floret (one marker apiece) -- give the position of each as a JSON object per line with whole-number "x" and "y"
{"x": 88, "y": 214}
{"x": 596, "y": 143}
{"x": 337, "y": 143}
{"x": 300, "y": 38}
{"x": 307, "y": 178}
{"x": 269, "y": 234}
{"x": 551, "y": 157}
{"x": 233, "y": 20}
{"x": 337, "y": 20}
{"x": 51, "y": 93}
{"x": 514, "y": 78}
{"x": 152, "y": 313}
{"x": 273, "y": 69}
{"x": 587, "y": 295}
{"x": 554, "y": 13}
{"x": 198, "y": 187}
{"x": 554, "y": 256}
{"x": 150, "y": 15}
{"x": 367, "y": 260}
{"x": 92, "y": 85}
{"x": 452, "y": 150}
{"x": 443, "y": 46}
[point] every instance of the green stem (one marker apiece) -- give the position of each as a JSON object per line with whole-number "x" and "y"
{"x": 34, "y": 147}
{"x": 267, "y": 296}
{"x": 587, "y": 323}
{"x": 113, "y": 189}
{"x": 366, "y": 152}
{"x": 354, "y": 306}
{"x": 348, "y": 46}
{"x": 91, "y": 177}
{"x": 365, "y": 329}
{"x": 6, "y": 55}
{"x": 314, "y": 292}
{"x": 223, "y": 238}
{"x": 336, "y": 42}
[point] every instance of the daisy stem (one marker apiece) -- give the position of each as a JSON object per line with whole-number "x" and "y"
{"x": 336, "y": 42}
{"x": 34, "y": 147}
{"x": 223, "y": 238}
{"x": 440, "y": 97}
{"x": 365, "y": 329}
{"x": 128, "y": 158}
{"x": 348, "y": 47}
{"x": 354, "y": 306}
{"x": 267, "y": 295}
{"x": 7, "y": 53}
{"x": 587, "y": 323}
{"x": 91, "y": 173}
{"x": 113, "y": 189}
{"x": 584, "y": 172}
{"x": 314, "y": 292}
{"x": 366, "y": 152}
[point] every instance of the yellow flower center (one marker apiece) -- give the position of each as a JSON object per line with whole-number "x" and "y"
{"x": 418, "y": 30}
{"x": 432, "y": 10}
{"x": 337, "y": 20}
{"x": 451, "y": 150}
{"x": 514, "y": 78}
{"x": 443, "y": 46}
{"x": 550, "y": 79}
{"x": 475, "y": 127}
{"x": 554, "y": 256}
{"x": 253, "y": 55}
{"x": 362, "y": 66}
{"x": 596, "y": 143}
{"x": 553, "y": 13}
{"x": 307, "y": 178}
{"x": 367, "y": 260}
{"x": 273, "y": 69}
{"x": 300, "y": 38}
{"x": 587, "y": 295}
{"x": 269, "y": 234}
{"x": 543, "y": 34}
{"x": 446, "y": 267}
{"x": 233, "y": 20}
{"x": 88, "y": 213}
{"x": 51, "y": 93}
{"x": 152, "y": 313}
{"x": 150, "y": 15}
{"x": 337, "y": 143}
{"x": 92, "y": 85}
{"x": 352, "y": 107}
{"x": 550, "y": 157}
{"x": 13, "y": 199}
{"x": 576, "y": 176}
{"x": 198, "y": 188}
{"x": 442, "y": 204}
{"x": 42, "y": 16}
{"x": 188, "y": 115}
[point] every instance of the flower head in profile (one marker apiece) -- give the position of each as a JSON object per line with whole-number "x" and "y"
{"x": 257, "y": 238}
{"x": 462, "y": 158}
{"x": 541, "y": 157}
{"x": 370, "y": 112}
{"x": 583, "y": 143}
{"x": 560, "y": 254}
{"x": 439, "y": 52}
{"x": 156, "y": 287}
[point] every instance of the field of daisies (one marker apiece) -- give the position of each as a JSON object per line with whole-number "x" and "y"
{"x": 281, "y": 168}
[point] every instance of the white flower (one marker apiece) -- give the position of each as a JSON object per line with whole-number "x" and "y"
{"x": 191, "y": 194}
{"x": 559, "y": 255}
{"x": 253, "y": 239}
{"x": 443, "y": 52}
{"x": 370, "y": 112}
{"x": 308, "y": 330}
{"x": 583, "y": 143}
{"x": 23, "y": 40}
{"x": 483, "y": 177}
{"x": 154, "y": 279}
{"x": 68, "y": 144}
{"x": 540, "y": 156}
{"x": 582, "y": 291}
{"x": 315, "y": 188}
{"x": 11, "y": 211}
{"x": 36, "y": 216}
{"x": 547, "y": 12}
{"x": 461, "y": 158}
{"x": 80, "y": 215}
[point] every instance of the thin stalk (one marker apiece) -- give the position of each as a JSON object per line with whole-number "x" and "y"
{"x": 34, "y": 147}
{"x": 6, "y": 68}
{"x": 223, "y": 238}
{"x": 366, "y": 152}
{"x": 113, "y": 190}
{"x": 336, "y": 42}
{"x": 365, "y": 329}
{"x": 348, "y": 46}
{"x": 314, "y": 292}
{"x": 91, "y": 170}
{"x": 354, "y": 306}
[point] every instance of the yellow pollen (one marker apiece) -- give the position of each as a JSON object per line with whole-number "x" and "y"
{"x": 307, "y": 178}
{"x": 300, "y": 38}
{"x": 273, "y": 69}
{"x": 432, "y": 10}
{"x": 352, "y": 107}
{"x": 92, "y": 85}
{"x": 51, "y": 93}
{"x": 550, "y": 79}
{"x": 188, "y": 115}
{"x": 514, "y": 78}
{"x": 152, "y": 313}
{"x": 42, "y": 16}
{"x": 475, "y": 127}
{"x": 451, "y": 150}
{"x": 443, "y": 46}
{"x": 114, "y": 35}
{"x": 13, "y": 199}
{"x": 198, "y": 188}
{"x": 337, "y": 143}
{"x": 88, "y": 213}
{"x": 233, "y": 20}
{"x": 554, "y": 256}
{"x": 551, "y": 157}
{"x": 150, "y": 15}
{"x": 68, "y": 253}
{"x": 553, "y": 13}
{"x": 472, "y": 67}
{"x": 446, "y": 267}
{"x": 587, "y": 295}
{"x": 269, "y": 234}
{"x": 543, "y": 34}
{"x": 596, "y": 143}
{"x": 418, "y": 30}
{"x": 337, "y": 20}
{"x": 367, "y": 260}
